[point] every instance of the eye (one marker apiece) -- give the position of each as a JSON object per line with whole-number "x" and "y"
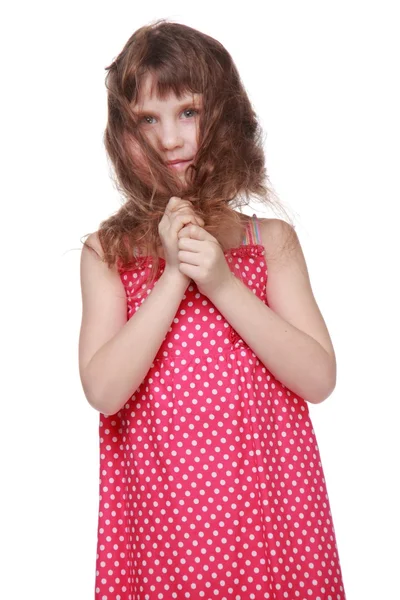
{"x": 147, "y": 120}
{"x": 190, "y": 110}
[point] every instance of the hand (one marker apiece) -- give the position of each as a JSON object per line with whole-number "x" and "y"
{"x": 178, "y": 213}
{"x": 201, "y": 258}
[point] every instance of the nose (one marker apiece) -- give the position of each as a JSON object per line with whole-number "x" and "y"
{"x": 170, "y": 136}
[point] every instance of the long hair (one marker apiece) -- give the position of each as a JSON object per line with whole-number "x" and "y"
{"x": 228, "y": 168}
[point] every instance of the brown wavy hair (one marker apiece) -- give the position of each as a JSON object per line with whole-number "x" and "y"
{"x": 229, "y": 166}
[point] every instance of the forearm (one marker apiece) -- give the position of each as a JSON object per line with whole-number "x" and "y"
{"x": 119, "y": 367}
{"x": 293, "y": 357}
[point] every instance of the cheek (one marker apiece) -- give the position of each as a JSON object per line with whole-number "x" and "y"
{"x": 139, "y": 159}
{"x": 139, "y": 162}
{"x": 134, "y": 148}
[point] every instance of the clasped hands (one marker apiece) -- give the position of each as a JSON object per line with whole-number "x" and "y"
{"x": 201, "y": 258}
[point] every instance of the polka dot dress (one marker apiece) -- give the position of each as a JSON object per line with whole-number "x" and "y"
{"x": 211, "y": 484}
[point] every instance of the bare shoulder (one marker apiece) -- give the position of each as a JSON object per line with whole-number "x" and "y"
{"x": 95, "y": 272}
{"x": 288, "y": 288}
{"x": 279, "y": 239}
{"x": 93, "y": 243}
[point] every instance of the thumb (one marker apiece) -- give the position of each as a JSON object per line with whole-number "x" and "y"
{"x": 200, "y": 221}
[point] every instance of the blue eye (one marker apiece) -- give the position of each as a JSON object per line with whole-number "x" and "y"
{"x": 190, "y": 110}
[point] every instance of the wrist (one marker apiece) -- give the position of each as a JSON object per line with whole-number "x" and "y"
{"x": 175, "y": 276}
{"x": 223, "y": 289}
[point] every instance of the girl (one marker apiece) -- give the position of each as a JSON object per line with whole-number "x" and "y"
{"x": 200, "y": 345}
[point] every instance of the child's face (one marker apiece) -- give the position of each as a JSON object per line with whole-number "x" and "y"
{"x": 170, "y": 125}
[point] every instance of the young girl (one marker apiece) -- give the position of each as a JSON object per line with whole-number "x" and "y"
{"x": 201, "y": 344}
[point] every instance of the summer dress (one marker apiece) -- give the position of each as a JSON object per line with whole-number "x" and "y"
{"x": 211, "y": 484}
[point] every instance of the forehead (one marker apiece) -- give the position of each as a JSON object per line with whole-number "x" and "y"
{"x": 149, "y": 96}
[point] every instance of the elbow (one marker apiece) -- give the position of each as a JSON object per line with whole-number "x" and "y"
{"x": 326, "y": 382}
{"x": 105, "y": 405}
{"x": 321, "y": 396}
{"x": 100, "y": 399}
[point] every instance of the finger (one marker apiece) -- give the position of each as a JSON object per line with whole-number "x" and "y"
{"x": 182, "y": 217}
{"x": 186, "y": 221}
{"x": 188, "y": 230}
{"x": 194, "y": 231}
{"x": 191, "y": 271}
{"x": 172, "y": 204}
{"x": 174, "y": 200}
{"x": 190, "y": 258}
{"x": 175, "y": 204}
{"x": 189, "y": 244}
{"x": 195, "y": 219}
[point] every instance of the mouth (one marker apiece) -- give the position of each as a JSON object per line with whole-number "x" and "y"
{"x": 178, "y": 164}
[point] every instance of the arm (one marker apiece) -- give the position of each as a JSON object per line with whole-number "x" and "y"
{"x": 115, "y": 354}
{"x": 289, "y": 336}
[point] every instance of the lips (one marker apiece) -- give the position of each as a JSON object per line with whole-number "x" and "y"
{"x": 178, "y": 160}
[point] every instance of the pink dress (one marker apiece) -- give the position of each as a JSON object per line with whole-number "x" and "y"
{"x": 211, "y": 484}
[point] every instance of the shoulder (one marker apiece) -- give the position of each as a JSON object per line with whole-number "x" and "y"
{"x": 94, "y": 263}
{"x": 99, "y": 281}
{"x": 280, "y": 240}
{"x": 92, "y": 243}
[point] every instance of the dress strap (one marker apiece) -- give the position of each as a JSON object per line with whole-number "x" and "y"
{"x": 252, "y": 235}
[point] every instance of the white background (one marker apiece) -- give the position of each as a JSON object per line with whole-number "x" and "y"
{"x": 323, "y": 77}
